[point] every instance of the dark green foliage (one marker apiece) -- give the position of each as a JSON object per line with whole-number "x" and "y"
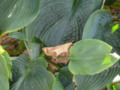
{"x": 110, "y": 2}
{"x": 98, "y": 81}
{"x": 54, "y": 22}
{"x": 33, "y": 74}
{"x": 59, "y": 23}
{"x": 100, "y": 26}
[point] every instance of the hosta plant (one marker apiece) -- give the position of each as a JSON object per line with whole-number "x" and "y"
{"x": 92, "y": 57}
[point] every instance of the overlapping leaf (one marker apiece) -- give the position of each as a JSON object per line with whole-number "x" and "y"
{"x": 57, "y": 84}
{"x": 99, "y": 26}
{"x": 33, "y": 75}
{"x": 15, "y": 14}
{"x": 5, "y": 69}
{"x": 98, "y": 81}
{"x": 65, "y": 79}
{"x": 90, "y": 56}
{"x": 34, "y": 47}
{"x": 61, "y": 21}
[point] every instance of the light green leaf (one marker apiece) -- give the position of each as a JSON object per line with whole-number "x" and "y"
{"x": 33, "y": 75}
{"x": 117, "y": 86}
{"x": 115, "y": 27}
{"x": 16, "y": 14}
{"x": 90, "y": 56}
{"x": 61, "y": 21}
{"x": 99, "y": 26}
{"x": 5, "y": 69}
{"x": 98, "y": 81}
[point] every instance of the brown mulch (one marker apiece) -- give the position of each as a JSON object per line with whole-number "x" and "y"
{"x": 115, "y": 11}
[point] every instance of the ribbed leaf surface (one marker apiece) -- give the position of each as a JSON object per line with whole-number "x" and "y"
{"x": 66, "y": 77}
{"x": 64, "y": 80}
{"x": 33, "y": 75}
{"x": 61, "y": 21}
{"x": 98, "y": 81}
{"x": 99, "y": 26}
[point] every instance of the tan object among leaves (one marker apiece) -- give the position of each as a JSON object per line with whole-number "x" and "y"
{"x": 60, "y": 50}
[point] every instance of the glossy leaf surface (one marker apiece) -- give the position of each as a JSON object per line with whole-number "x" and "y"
{"x": 15, "y": 14}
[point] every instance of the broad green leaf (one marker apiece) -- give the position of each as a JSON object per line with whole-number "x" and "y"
{"x": 16, "y": 14}
{"x": 90, "y": 56}
{"x": 100, "y": 26}
{"x": 70, "y": 87}
{"x": 5, "y": 69}
{"x": 61, "y": 21}
{"x": 57, "y": 84}
{"x": 98, "y": 81}
{"x": 33, "y": 75}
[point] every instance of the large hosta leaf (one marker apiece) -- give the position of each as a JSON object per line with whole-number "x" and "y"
{"x": 61, "y": 21}
{"x": 15, "y": 14}
{"x": 99, "y": 26}
{"x": 33, "y": 75}
{"x": 90, "y": 56}
{"x": 5, "y": 69}
{"x": 98, "y": 81}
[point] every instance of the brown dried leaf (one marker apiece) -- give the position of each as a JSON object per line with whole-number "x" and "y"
{"x": 7, "y": 40}
{"x": 60, "y": 60}
{"x": 25, "y": 52}
{"x": 53, "y": 67}
{"x": 57, "y": 50}
{"x": 60, "y": 50}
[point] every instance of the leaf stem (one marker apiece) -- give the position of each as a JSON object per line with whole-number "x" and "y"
{"x": 51, "y": 69}
{"x": 103, "y": 4}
